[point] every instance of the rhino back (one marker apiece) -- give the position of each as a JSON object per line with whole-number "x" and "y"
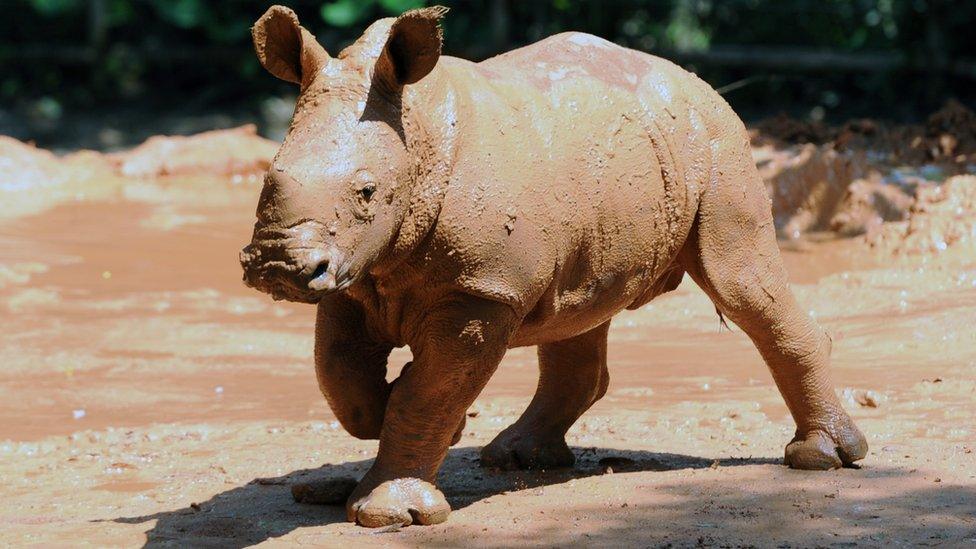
{"x": 578, "y": 173}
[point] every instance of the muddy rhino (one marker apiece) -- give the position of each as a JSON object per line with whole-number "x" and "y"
{"x": 464, "y": 208}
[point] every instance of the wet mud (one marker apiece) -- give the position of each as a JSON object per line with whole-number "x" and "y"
{"x": 148, "y": 397}
{"x": 853, "y": 178}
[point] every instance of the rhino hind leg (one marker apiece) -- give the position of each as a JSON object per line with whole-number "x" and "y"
{"x": 572, "y": 377}
{"x": 733, "y": 256}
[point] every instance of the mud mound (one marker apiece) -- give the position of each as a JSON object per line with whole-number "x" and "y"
{"x": 24, "y": 166}
{"x": 942, "y": 218}
{"x": 853, "y": 178}
{"x": 868, "y": 203}
{"x": 783, "y": 128}
{"x": 33, "y": 179}
{"x": 238, "y": 151}
{"x": 817, "y": 188}
{"x": 951, "y": 132}
{"x": 948, "y": 136}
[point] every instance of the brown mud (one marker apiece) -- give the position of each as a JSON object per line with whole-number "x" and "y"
{"x": 948, "y": 135}
{"x": 220, "y": 152}
{"x": 148, "y": 397}
{"x": 852, "y": 178}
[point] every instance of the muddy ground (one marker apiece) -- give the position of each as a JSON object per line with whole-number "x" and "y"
{"x": 148, "y": 398}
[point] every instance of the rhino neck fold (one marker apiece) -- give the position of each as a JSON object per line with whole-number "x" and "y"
{"x": 429, "y": 118}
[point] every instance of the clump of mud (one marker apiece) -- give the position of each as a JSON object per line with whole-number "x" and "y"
{"x": 238, "y": 151}
{"x": 951, "y": 133}
{"x": 942, "y": 218}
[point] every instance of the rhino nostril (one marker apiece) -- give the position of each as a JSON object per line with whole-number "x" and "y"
{"x": 322, "y": 278}
{"x": 320, "y": 270}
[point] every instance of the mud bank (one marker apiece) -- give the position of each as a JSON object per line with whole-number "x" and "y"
{"x": 948, "y": 135}
{"x": 848, "y": 180}
{"x": 940, "y": 220}
{"x": 33, "y": 180}
{"x": 851, "y": 179}
{"x": 238, "y": 151}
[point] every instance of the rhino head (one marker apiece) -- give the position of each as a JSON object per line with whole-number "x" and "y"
{"x": 340, "y": 186}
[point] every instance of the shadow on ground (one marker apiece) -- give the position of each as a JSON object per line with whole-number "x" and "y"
{"x": 264, "y": 509}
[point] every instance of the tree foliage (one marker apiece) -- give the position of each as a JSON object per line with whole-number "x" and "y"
{"x": 78, "y": 52}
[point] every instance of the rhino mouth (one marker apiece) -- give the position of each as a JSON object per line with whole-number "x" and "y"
{"x": 295, "y": 271}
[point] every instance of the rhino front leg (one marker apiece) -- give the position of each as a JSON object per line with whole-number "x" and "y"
{"x": 351, "y": 367}
{"x": 457, "y": 348}
{"x": 572, "y": 377}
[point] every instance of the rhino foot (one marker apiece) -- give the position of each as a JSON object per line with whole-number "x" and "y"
{"x": 512, "y": 452}
{"x": 402, "y": 502}
{"x": 818, "y": 450}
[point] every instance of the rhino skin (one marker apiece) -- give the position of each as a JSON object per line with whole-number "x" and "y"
{"x": 464, "y": 208}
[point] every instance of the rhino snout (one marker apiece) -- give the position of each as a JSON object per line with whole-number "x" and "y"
{"x": 295, "y": 273}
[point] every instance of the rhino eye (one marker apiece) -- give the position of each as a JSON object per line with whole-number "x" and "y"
{"x": 367, "y": 191}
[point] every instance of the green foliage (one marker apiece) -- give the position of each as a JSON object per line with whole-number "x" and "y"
{"x": 400, "y": 6}
{"x": 346, "y": 13}
{"x": 198, "y": 14}
{"x": 685, "y": 30}
{"x": 54, "y": 7}
{"x": 120, "y": 12}
{"x": 167, "y": 47}
{"x": 185, "y": 14}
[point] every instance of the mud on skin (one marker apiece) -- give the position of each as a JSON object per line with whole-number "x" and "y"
{"x": 463, "y": 209}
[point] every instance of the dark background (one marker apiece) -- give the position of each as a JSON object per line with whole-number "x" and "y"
{"x": 107, "y": 73}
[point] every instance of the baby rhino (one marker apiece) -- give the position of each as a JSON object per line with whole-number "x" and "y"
{"x": 463, "y": 209}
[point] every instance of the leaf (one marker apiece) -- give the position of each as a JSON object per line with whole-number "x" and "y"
{"x": 345, "y": 13}
{"x": 185, "y": 14}
{"x": 397, "y": 7}
{"x": 120, "y": 12}
{"x": 54, "y": 7}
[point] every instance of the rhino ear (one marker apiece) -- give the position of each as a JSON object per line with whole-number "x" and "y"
{"x": 413, "y": 46}
{"x": 285, "y": 48}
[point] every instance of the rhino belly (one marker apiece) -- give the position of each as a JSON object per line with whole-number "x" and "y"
{"x": 581, "y": 298}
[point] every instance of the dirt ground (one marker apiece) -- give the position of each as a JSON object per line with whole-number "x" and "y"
{"x": 148, "y": 398}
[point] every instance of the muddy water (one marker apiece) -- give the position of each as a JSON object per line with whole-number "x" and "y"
{"x": 138, "y": 376}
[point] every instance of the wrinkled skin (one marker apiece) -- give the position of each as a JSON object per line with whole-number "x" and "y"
{"x": 463, "y": 209}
